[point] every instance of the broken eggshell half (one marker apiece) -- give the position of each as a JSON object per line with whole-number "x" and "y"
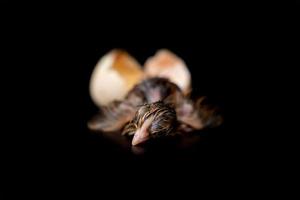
{"x": 168, "y": 65}
{"x": 113, "y": 76}
{"x": 116, "y": 73}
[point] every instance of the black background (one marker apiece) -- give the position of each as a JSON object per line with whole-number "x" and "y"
{"x": 223, "y": 45}
{"x": 76, "y": 149}
{"x": 54, "y": 143}
{"x": 210, "y": 58}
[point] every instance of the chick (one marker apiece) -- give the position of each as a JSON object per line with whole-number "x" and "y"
{"x": 151, "y": 121}
{"x": 155, "y": 107}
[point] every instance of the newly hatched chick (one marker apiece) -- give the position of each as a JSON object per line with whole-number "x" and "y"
{"x": 151, "y": 121}
{"x": 155, "y": 107}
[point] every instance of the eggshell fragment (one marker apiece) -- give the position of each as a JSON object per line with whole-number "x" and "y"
{"x": 113, "y": 76}
{"x": 166, "y": 64}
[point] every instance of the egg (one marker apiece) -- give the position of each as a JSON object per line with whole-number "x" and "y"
{"x": 168, "y": 65}
{"x": 113, "y": 76}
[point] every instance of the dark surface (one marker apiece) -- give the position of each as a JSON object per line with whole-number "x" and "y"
{"x": 55, "y": 144}
{"x": 234, "y": 53}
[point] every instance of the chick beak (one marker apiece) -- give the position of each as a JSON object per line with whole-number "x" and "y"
{"x": 142, "y": 134}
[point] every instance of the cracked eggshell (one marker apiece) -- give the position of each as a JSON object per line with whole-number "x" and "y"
{"x": 168, "y": 65}
{"x": 113, "y": 76}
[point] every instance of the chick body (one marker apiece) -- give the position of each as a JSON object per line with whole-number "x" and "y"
{"x": 153, "y": 108}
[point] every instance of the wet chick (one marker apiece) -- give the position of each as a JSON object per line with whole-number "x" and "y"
{"x": 151, "y": 121}
{"x": 114, "y": 116}
{"x": 155, "y": 107}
